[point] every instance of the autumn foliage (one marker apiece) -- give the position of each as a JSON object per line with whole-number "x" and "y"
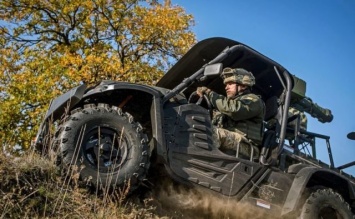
{"x": 48, "y": 47}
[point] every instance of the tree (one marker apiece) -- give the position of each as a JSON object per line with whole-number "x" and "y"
{"x": 47, "y": 47}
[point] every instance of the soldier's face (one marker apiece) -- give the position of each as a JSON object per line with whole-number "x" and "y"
{"x": 231, "y": 89}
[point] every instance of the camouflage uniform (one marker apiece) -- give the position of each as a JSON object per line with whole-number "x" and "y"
{"x": 303, "y": 118}
{"x": 239, "y": 120}
{"x": 290, "y": 136}
{"x": 291, "y": 112}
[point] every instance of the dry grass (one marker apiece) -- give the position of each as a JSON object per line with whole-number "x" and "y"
{"x": 31, "y": 187}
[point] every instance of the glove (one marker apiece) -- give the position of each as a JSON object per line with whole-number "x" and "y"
{"x": 202, "y": 90}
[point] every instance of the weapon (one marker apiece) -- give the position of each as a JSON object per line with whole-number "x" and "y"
{"x": 301, "y": 102}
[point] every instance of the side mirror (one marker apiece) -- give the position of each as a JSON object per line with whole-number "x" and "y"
{"x": 213, "y": 69}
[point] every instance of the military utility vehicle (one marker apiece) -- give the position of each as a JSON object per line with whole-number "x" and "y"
{"x": 119, "y": 132}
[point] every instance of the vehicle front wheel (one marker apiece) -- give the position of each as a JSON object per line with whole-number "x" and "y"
{"x": 325, "y": 204}
{"x": 108, "y": 147}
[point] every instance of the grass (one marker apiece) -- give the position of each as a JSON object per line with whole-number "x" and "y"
{"x": 31, "y": 187}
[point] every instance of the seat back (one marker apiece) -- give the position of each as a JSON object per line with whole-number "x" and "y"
{"x": 271, "y": 108}
{"x": 270, "y": 135}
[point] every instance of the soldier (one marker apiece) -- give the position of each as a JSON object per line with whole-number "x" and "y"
{"x": 239, "y": 119}
{"x": 290, "y": 136}
{"x": 303, "y": 118}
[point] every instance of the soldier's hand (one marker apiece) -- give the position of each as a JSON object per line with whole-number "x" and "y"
{"x": 202, "y": 90}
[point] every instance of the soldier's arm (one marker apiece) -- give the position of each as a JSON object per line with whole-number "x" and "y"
{"x": 247, "y": 107}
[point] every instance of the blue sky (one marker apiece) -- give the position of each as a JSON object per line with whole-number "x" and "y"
{"x": 314, "y": 40}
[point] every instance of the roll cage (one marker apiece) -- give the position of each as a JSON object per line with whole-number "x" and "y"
{"x": 273, "y": 83}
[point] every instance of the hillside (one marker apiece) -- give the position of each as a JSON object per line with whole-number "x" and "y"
{"x": 31, "y": 187}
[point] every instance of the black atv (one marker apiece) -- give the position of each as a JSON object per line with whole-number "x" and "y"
{"x": 117, "y": 131}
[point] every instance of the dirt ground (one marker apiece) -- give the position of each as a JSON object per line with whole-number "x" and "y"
{"x": 175, "y": 201}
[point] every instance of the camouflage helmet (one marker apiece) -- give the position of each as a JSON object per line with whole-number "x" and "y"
{"x": 238, "y": 75}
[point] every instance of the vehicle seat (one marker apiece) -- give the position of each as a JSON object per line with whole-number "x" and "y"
{"x": 271, "y": 108}
{"x": 272, "y": 127}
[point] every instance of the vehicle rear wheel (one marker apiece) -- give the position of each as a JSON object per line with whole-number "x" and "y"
{"x": 108, "y": 147}
{"x": 325, "y": 204}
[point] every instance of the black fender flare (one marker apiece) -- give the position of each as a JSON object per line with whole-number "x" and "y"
{"x": 69, "y": 100}
{"x": 65, "y": 101}
{"x": 304, "y": 176}
{"x": 156, "y": 113}
{"x": 56, "y": 109}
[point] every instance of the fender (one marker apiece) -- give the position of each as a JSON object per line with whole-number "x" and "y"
{"x": 56, "y": 109}
{"x": 76, "y": 96}
{"x": 66, "y": 101}
{"x": 304, "y": 176}
{"x": 156, "y": 110}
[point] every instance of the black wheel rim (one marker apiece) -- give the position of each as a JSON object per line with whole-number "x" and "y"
{"x": 105, "y": 149}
